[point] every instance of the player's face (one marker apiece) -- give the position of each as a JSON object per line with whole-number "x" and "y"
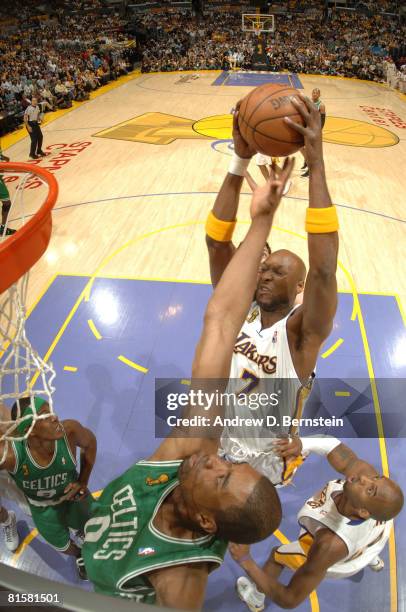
{"x": 210, "y": 483}
{"x": 277, "y": 284}
{"x": 315, "y": 95}
{"x": 367, "y": 491}
{"x": 48, "y": 429}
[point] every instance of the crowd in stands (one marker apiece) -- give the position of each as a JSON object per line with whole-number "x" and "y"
{"x": 307, "y": 38}
{"x": 57, "y": 57}
{"x": 61, "y": 50}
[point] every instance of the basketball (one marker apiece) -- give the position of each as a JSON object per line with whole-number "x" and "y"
{"x": 261, "y": 120}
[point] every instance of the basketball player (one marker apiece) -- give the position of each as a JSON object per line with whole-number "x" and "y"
{"x": 344, "y": 527}
{"x": 322, "y": 110}
{"x": 43, "y": 467}
{"x": 5, "y": 201}
{"x": 278, "y": 341}
{"x": 8, "y": 521}
{"x": 263, "y": 161}
{"x": 162, "y": 527}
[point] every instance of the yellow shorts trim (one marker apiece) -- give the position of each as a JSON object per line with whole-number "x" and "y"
{"x": 294, "y": 554}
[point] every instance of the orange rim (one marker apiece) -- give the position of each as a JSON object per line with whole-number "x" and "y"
{"x": 19, "y": 252}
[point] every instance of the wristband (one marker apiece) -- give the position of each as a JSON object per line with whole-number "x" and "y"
{"x": 238, "y": 165}
{"x": 320, "y": 446}
{"x": 321, "y": 220}
{"x": 221, "y": 231}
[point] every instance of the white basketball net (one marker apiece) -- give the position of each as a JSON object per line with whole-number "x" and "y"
{"x": 23, "y": 373}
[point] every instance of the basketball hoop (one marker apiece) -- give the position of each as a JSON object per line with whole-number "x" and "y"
{"x": 258, "y": 29}
{"x": 252, "y": 22}
{"x": 23, "y": 373}
{"x": 18, "y": 253}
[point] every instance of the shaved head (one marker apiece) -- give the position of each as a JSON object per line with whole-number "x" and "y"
{"x": 294, "y": 262}
{"x": 389, "y": 502}
{"x": 281, "y": 278}
{"x": 373, "y": 496}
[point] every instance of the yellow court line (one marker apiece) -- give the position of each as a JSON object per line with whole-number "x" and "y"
{"x": 185, "y": 381}
{"x": 31, "y": 308}
{"x": 400, "y": 306}
{"x": 377, "y": 293}
{"x": 94, "y": 329}
{"x": 381, "y": 438}
{"x": 342, "y": 393}
{"x": 314, "y": 601}
{"x": 131, "y": 242}
{"x": 11, "y": 139}
{"x": 70, "y": 369}
{"x": 85, "y": 293}
{"x": 203, "y": 282}
{"x": 60, "y": 333}
{"x": 23, "y": 545}
{"x": 332, "y": 348}
{"x": 140, "y": 278}
{"x": 132, "y": 364}
{"x": 41, "y": 295}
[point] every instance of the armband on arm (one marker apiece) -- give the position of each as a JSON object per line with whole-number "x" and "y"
{"x": 238, "y": 165}
{"x": 221, "y": 231}
{"x": 321, "y": 446}
{"x": 321, "y": 220}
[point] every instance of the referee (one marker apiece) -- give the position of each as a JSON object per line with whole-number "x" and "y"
{"x": 31, "y": 120}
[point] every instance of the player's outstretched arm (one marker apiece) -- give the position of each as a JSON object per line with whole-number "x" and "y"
{"x": 344, "y": 460}
{"x": 85, "y": 439}
{"x": 225, "y": 314}
{"x": 340, "y": 456}
{"x": 327, "y": 549}
{"x": 221, "y": 221}
{"x": 231, "y": 300}
{"x": 313, "y": 322}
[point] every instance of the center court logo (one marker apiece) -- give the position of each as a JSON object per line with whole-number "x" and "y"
{"x": 163, "y": 129}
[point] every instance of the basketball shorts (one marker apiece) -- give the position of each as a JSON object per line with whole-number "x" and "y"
{"x": 53, "y": 522}
{"x": 279, "y": 471}
{"x": 4, "y": 193}
{"x": 294, "y": 555}
{"x": 265, "y": 160}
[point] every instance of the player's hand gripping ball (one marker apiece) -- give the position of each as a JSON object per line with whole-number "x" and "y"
{"x": 261, "y": 120}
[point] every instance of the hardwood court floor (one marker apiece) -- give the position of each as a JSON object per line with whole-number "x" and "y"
{"x": 114, "y": 191}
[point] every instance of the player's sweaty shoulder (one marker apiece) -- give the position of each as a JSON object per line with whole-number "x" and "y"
{"x": 328, "y": 546}
{"x": 182, "y": 586}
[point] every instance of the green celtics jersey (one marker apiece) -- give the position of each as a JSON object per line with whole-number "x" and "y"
{"x": 318, "y": 103}
{"x": 121, "y": 543}
{"x": 44, "y": 485}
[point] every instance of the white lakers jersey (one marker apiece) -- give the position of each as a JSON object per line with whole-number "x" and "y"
{"x": 364, "y": 539}
{"x": 261, "y": 364}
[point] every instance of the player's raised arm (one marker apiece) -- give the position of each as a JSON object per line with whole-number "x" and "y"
{"x": 226, "y": 311}
{"x": 340, "y": 456}
{"x": 326, "y": 550}
{"x": 84, "y": 439}
{"x": 320, "y": 294}
{"x": 222, "y": 219}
